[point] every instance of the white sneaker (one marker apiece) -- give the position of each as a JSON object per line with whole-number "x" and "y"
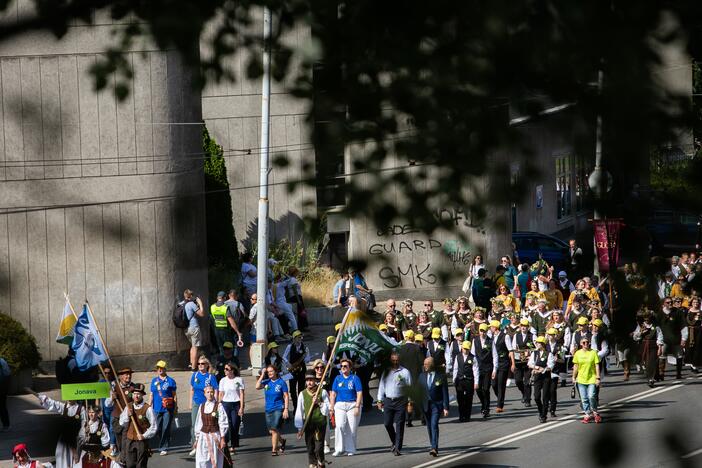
{"x": 192, "y": 452}
{"x": 350, "y": 454}
{"x": 164, "y": 452}
{"x": 337, "y": 454}
{"x": 510, "y": 382}
{"x": 327, "y": 449}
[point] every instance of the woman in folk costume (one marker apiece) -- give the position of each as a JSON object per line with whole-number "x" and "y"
{"x": 93, "y": 438}
{"x": 693, "y": 355}
{"x": 211, "y": 426}
{"x": 21, "y": 458}
{"x": 73, "y": 415}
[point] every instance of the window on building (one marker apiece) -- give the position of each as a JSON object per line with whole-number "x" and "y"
{"x": 582, "y": 170}
{"x": 564, "y": 174}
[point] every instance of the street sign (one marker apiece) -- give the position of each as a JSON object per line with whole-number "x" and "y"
{"x": 85, "y": 391}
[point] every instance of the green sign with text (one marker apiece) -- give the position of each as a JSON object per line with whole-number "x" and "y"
{"x": 85, "y": 391}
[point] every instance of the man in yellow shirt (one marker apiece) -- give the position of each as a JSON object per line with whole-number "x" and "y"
{"x": 586, "y": 374}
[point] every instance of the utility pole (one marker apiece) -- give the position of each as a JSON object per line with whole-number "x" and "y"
{"x": 600, "y": 181}
{"x": 258, "y": 348}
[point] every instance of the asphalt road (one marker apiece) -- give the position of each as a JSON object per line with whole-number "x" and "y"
{"x": 642, "y": 427}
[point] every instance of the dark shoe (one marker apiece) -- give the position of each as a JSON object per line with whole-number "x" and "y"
{"x": 651, "y": 383}
{"x": 433, "y": 453}
{"x": 409, "y": 424}
{"x": 486, "y": 414}
{"x": 553, "y": 414}
{"x": 678, "y": 377}
{"x": 527, "y": 404}
{"x": 282, "y": 445}
{"x": 542, "y": 419}
{"x": 563, "y": 383}
{"x": 397, "y": 453}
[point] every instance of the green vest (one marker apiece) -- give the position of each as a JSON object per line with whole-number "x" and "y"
{"x": 316, "y": 419}
{"x": 219, "y": 314}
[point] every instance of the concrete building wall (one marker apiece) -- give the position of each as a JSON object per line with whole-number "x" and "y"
{"x": 87, "y": 189}
{"x": 232, "y": 112}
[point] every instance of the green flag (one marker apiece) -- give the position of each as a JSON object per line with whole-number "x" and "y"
{"x": 361, "y": 340}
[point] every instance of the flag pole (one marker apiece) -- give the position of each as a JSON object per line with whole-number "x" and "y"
{"x": 330, "y": 360}
{"x": 112, "y": 366}
{"x": 102, "y": 371}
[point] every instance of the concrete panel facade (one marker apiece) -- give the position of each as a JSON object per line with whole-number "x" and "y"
{"x": 88, "y": 190}
{"x": 232, "y": 112}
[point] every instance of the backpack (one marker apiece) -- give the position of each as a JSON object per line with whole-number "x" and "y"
{"x": 180, "y": 318}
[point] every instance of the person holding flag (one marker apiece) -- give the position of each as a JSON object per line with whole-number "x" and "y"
{"x": 139, "y": 423}
{"x": 311, "y": 418}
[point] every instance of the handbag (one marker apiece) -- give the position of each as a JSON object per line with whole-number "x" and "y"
{"x": 166, "y": 402}
{"x": 466, "y": 285}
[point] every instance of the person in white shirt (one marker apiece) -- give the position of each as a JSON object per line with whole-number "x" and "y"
{"x": 231, "y": 395}
{"x": 272, "y": 323}
{"x": 73, "y": 416}
{"x": 311, "y": 414}
{"x": 211, "y": 427}
{"x": 392, "y": 400}
{"x": 249, "y": 273}
{"x": 281, "y": 303}
{"x": 93, "y": 437}
{"x": 139, "y": 423}
{"x": 541, "y": 363}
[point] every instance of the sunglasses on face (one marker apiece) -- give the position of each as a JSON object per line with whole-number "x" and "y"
{"x": 201, "y": 363}
{"x": 319, "y": 367}
{"x": 344, "y": 366}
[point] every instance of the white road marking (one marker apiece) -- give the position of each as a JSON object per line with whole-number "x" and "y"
{"x": 537, "y": 429}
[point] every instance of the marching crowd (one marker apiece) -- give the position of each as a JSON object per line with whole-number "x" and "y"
{"x": 522, "y": 325}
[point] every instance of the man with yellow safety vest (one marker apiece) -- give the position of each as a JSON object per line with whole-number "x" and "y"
{"x": 224, "y": 322}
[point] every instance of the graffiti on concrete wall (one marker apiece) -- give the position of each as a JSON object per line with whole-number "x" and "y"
{"x": 400, "y": 242}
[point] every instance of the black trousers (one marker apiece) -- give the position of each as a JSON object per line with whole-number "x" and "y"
{"x": 314, "y": 440}
{"x": 394, "y": 412}
{"x": 542, "y": 392}
{"x": 137, "y": 453}
{"x": 296, "y": 385}
{"x": 499, "y": 386}
{"x": 4, "y": 414}
{"x": 484, "y": 378}
{"x": 522, "y": 377}
{"x": 464, "y": 397}
{"x": 364, "y": 373}
{"x": 553, "y": 394}
{"x": 120, "y": 433}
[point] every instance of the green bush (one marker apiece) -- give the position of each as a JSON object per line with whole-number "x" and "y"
{"x": 18, "y": 347}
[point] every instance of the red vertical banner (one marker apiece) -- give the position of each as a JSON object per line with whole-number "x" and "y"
{"x": 607, "y": 242}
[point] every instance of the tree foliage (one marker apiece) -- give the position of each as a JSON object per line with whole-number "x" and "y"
{"x": 17, "y": 346}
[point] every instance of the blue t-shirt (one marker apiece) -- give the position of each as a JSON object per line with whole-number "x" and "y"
{"x": 523, "y": 280}
{"x": 346, "y": 387}
{"x": 190, "y": 312}
{"x": 199, "y": 381}
{"x": 273, "y": 391}
{"x": 168, "y": 390}
{"x": 337, "y": 289}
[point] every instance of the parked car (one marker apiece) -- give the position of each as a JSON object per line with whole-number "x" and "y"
{"x": 531, "y": 244}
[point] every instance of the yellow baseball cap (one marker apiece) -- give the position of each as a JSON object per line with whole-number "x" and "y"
{"x": 337, "y": 327}
{"x": 408, "y": 334}
{"x": 582, "y": 321}
{"x": 161, "y": 364}
{"x": 419, "y": 338}
{"x": 524, "y": 322}
{"x": 459, "y": 331}
{"x": 465, "y": 344}
{"x": 272, "y": 345}
{"x": 383, "y": 327}
{"x": 552, "y": 331}
{"x": 541, "y": 339}
{"x": 483, "y": 327}
{"x": 436, "y": 332}
{"x": 495, "y": 323}
{"x": 598, "y": 323}
{"x": 331, "y": 339}
{"x": 296, "y": 333}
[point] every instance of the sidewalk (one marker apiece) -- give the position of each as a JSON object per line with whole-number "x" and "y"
{"x": 39, "y": 429}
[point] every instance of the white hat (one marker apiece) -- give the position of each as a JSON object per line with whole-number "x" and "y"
{"x": 562, "y": 274}
{"x": 272, "y": 261}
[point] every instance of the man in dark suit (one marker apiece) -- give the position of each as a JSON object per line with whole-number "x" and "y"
{"x": 435, "y": 401}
